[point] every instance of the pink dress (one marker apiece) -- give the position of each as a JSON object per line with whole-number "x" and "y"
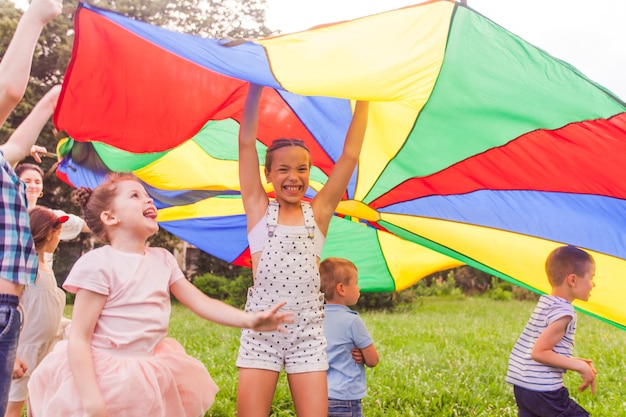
{"x": 140, "y": 371}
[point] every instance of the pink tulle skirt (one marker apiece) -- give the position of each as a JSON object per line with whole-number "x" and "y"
{"x": 169, "y": 383}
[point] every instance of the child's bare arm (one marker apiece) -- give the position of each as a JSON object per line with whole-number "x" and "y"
{"x": 252, "y": 192}
{"x": 325, "y": 203}
{"x": 219, "y": 312}
{"x": 17, "y": 60}
{"x": 370, "y": 356}
{"x": 543, "y": 352}
{"x": 22, "y": 140}
{"x": 87, "y": 308}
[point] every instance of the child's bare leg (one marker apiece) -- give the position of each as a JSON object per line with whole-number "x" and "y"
{"x": 309, "y": 391}
{"x": 255, "y": 392}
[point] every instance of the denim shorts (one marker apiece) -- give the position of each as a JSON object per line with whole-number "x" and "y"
{"x": 344, "y": 408}
{"x": 10, "y": 323}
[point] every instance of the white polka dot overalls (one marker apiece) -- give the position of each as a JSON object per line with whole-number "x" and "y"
{"x": 287, "y": 271}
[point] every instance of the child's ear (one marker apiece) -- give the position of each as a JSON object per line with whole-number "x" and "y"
{"x": 108, "y": 218}
{"x": 340, "y": 290}
{"x": 571, "y": 280}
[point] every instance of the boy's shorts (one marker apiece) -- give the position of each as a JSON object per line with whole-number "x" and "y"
{"x": 547, "y": 403}
{"x": 344, "y": 408}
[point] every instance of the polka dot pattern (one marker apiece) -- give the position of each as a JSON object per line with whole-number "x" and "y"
{"x": 287, "y": 271}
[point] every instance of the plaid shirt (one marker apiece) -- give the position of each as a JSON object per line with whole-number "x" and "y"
{"x": 18, "y": 262}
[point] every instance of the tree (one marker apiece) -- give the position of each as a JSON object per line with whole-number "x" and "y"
{"x": 208, "y": 18}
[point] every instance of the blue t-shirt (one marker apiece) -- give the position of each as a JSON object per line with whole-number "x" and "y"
{"x": 345, "y": 330}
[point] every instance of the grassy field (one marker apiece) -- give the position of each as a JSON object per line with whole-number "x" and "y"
{"x": 439, "y": 358}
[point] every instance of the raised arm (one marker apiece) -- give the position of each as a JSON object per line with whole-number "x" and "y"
{"x": 16, "y": 62}
{"x": 22, "y": 140}
{"x": 252, "y": 193}
{"x": 326, "y": 200}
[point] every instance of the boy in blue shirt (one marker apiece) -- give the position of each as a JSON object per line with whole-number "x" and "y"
{"x": 544, "y": 351}
{"x": 350, "y": 346}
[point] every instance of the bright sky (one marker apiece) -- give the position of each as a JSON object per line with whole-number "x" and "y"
{"x": 589, "y": 34}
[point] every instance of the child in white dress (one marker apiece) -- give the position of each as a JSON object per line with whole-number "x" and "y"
{"x": 42, "y": 305}
{"x": 118, "y": 360}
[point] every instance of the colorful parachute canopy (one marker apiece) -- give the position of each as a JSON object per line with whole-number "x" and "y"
{"x": 480, "y": 149}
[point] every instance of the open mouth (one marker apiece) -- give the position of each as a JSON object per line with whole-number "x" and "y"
{"x": 150, "y": 213}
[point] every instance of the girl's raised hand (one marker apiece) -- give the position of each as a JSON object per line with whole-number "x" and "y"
{"x": 271, "y": 319}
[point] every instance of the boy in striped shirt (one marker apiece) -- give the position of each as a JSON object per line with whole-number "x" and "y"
{"x": 544, "y": 350}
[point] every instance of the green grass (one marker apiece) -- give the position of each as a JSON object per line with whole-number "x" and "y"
{"x": 439, "y": 358}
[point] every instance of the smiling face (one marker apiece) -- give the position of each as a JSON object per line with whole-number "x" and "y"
{"x": 34, "y": 185}
{"x": 133, "y": 210}
{"x": 289, "y": 173}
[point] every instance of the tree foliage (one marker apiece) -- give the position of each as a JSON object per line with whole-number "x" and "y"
{"x": 207, "y": 18}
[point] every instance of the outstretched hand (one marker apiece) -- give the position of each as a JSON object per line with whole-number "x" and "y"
{"x": 271, "y": 319}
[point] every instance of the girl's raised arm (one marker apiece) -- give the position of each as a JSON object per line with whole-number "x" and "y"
{"x": 326, "y": 200}
{"x": 252, "y": 193}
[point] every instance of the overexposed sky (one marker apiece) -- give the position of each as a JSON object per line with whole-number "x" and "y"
{"x": 589, "y": 34}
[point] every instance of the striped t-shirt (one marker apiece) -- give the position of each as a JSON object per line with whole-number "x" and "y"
{"x": 523, "y": 370}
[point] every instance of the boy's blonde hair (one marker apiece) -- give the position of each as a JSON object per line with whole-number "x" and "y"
{"x": 332, "y": 272}
{"x": 566, "y": 260}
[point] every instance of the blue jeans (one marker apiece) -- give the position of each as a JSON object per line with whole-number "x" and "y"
{"x": 547, "y": 404}
{"x": 344, "y": 408}
{"x": 10, "y": 322}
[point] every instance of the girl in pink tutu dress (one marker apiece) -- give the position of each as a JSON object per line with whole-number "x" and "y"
{"x": 118, "y": 361}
